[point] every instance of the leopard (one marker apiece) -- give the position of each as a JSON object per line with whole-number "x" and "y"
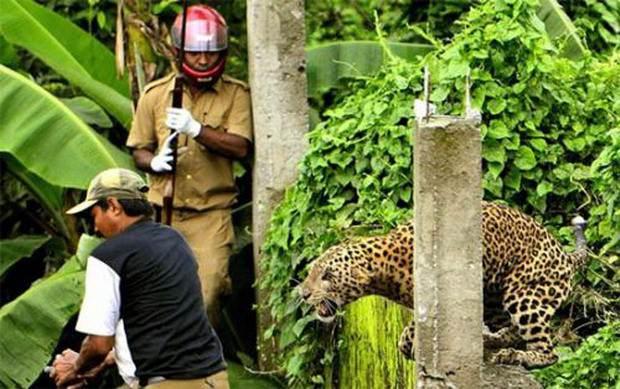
{"x": 527, "y": 275}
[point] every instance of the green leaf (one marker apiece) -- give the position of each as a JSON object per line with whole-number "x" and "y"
{"x": 496, "y": 106}
{"x": 48, "y": 139}
{"x": 494, "y": 152}
{"x": 71, "y": 52}
{"x": 30, "y": 325}
{"x": 287, "y": 337}
{"x": 498, "y": 130}
{"x": 295, "y": 363}
{"x": 49, "y": 196}
{"x": 526, "y": 159}
{"x": 575, "y": 144}
{"x": 560, "y": 27}
{"x": 12, "y": 250}
{"x": 8, "y": 56}
{"x": 331, "y": 62}
{"x": 301, "y": 324}
{"x": 513, "y": 179}
{"x": 495, "y": 169}
{"x": 456, "y": 68}
{"x": 88, "y": 111}
{"x": 493, "y": 185}
{"x": 101, "y": 18}
{"x": 544, "y": 188}
{"x": 539, "y": 144}
{"x": 439, "y": 94}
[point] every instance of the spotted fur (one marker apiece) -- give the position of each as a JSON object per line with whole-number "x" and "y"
{"x": 527, "y": 276}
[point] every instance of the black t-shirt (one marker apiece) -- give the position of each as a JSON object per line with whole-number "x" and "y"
{"x": 142, "y": 286}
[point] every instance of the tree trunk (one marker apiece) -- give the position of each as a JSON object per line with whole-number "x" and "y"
{"x": 370, "y": 357}
{"x": 276, "y": 40}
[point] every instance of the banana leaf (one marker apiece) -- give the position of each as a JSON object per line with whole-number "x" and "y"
{"x": 12, "y": 250}
{"x": 560, "y": 28}
{"x": 8, "y": 56}
{"x": 49, "y": 196}
{"x": 329, "y": 63}
{"x": 31, "y": 324}
{"x": 70, "y": 51}
{"x": 88, "y": 111}
{"x": 47, "y": 138}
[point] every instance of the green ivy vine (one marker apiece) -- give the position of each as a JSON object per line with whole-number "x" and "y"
{"x": 596, "y": 364}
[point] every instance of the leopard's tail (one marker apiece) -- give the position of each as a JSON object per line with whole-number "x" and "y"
{"x": 580, "y": 255}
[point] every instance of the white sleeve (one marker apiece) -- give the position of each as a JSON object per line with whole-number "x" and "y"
{"x": 100, "y": 309}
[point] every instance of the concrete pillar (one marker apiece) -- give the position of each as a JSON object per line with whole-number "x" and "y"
{"x": 277, "y": 64}
{"x": 448, "y": 253}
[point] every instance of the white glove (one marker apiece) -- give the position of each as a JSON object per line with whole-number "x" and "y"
{"x": 161, "y": 162}
{"x": 181, "y": 120}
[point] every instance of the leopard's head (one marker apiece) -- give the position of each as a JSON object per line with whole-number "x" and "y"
{"x": 336, "y": 278}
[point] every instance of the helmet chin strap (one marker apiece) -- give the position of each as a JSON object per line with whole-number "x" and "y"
{"x": 209, "y": 76}
{"x": 201, "y": 83}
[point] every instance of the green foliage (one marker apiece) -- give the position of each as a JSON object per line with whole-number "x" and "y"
{"x": 332, "y": 20}
{"x": 595, "y": 364}
{"x": 83, "y": 60}
{"x": 546, "y": 119}
{"x": 31, "y": 323}
{"x": 12, "y": 250}
{"x": 331, "y": 63}
{"x": 560, "y": 27}
{"x": 599, "y": 21}
{"x": 49, "y": 197}
{"x": 545, "y": 116}
{"x": 606, "y": 168}
{"x": 37, "y": 128}
{"x": 88, "y": 111}
{"x": 98, "y": 17}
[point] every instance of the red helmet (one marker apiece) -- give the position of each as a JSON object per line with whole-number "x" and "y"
{"x": 205, "y": 30}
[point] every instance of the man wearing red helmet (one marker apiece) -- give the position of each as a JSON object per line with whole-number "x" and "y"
{"x": 214, "y": 128}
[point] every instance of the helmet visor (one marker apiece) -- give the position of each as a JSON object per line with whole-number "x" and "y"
{"x": 201, "y": 35}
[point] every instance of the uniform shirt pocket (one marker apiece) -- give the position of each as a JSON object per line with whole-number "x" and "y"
{"x": 213, "y": 120}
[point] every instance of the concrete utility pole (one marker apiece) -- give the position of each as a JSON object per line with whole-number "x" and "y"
{"x": 448, "y": 251}
{"x": 277, "y": 72}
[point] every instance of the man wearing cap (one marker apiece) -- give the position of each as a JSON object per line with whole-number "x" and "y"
{"x": 142, "y": 298}
{"x": 214, "y": 128}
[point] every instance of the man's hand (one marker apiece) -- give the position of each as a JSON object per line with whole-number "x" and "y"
{"x": 181, "y": 120}
{"x": 64, "y": 372}
{"x": 161, "y": 162}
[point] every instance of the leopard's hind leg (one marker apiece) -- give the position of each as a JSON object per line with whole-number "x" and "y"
{"x": 530, "y": 309}
{"x": 505, "y": 337}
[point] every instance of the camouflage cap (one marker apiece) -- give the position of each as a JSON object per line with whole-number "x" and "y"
{"x": 117, "y": 182}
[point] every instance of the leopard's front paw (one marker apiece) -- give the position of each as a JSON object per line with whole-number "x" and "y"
{"x": 506, "y": 356}
{"x": 405, "y": 345}
{"x": 528, "y": 359}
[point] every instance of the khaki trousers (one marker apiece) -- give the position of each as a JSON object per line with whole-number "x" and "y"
{"x": 214, "y": 381}
{"x": 218, "y": 380}
{"x": 210, "y": 235}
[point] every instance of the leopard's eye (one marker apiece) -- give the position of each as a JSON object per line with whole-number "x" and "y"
{"x": 326, "y": 276}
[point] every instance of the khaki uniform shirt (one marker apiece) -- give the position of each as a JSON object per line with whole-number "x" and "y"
{"x": 204, "y": 179}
